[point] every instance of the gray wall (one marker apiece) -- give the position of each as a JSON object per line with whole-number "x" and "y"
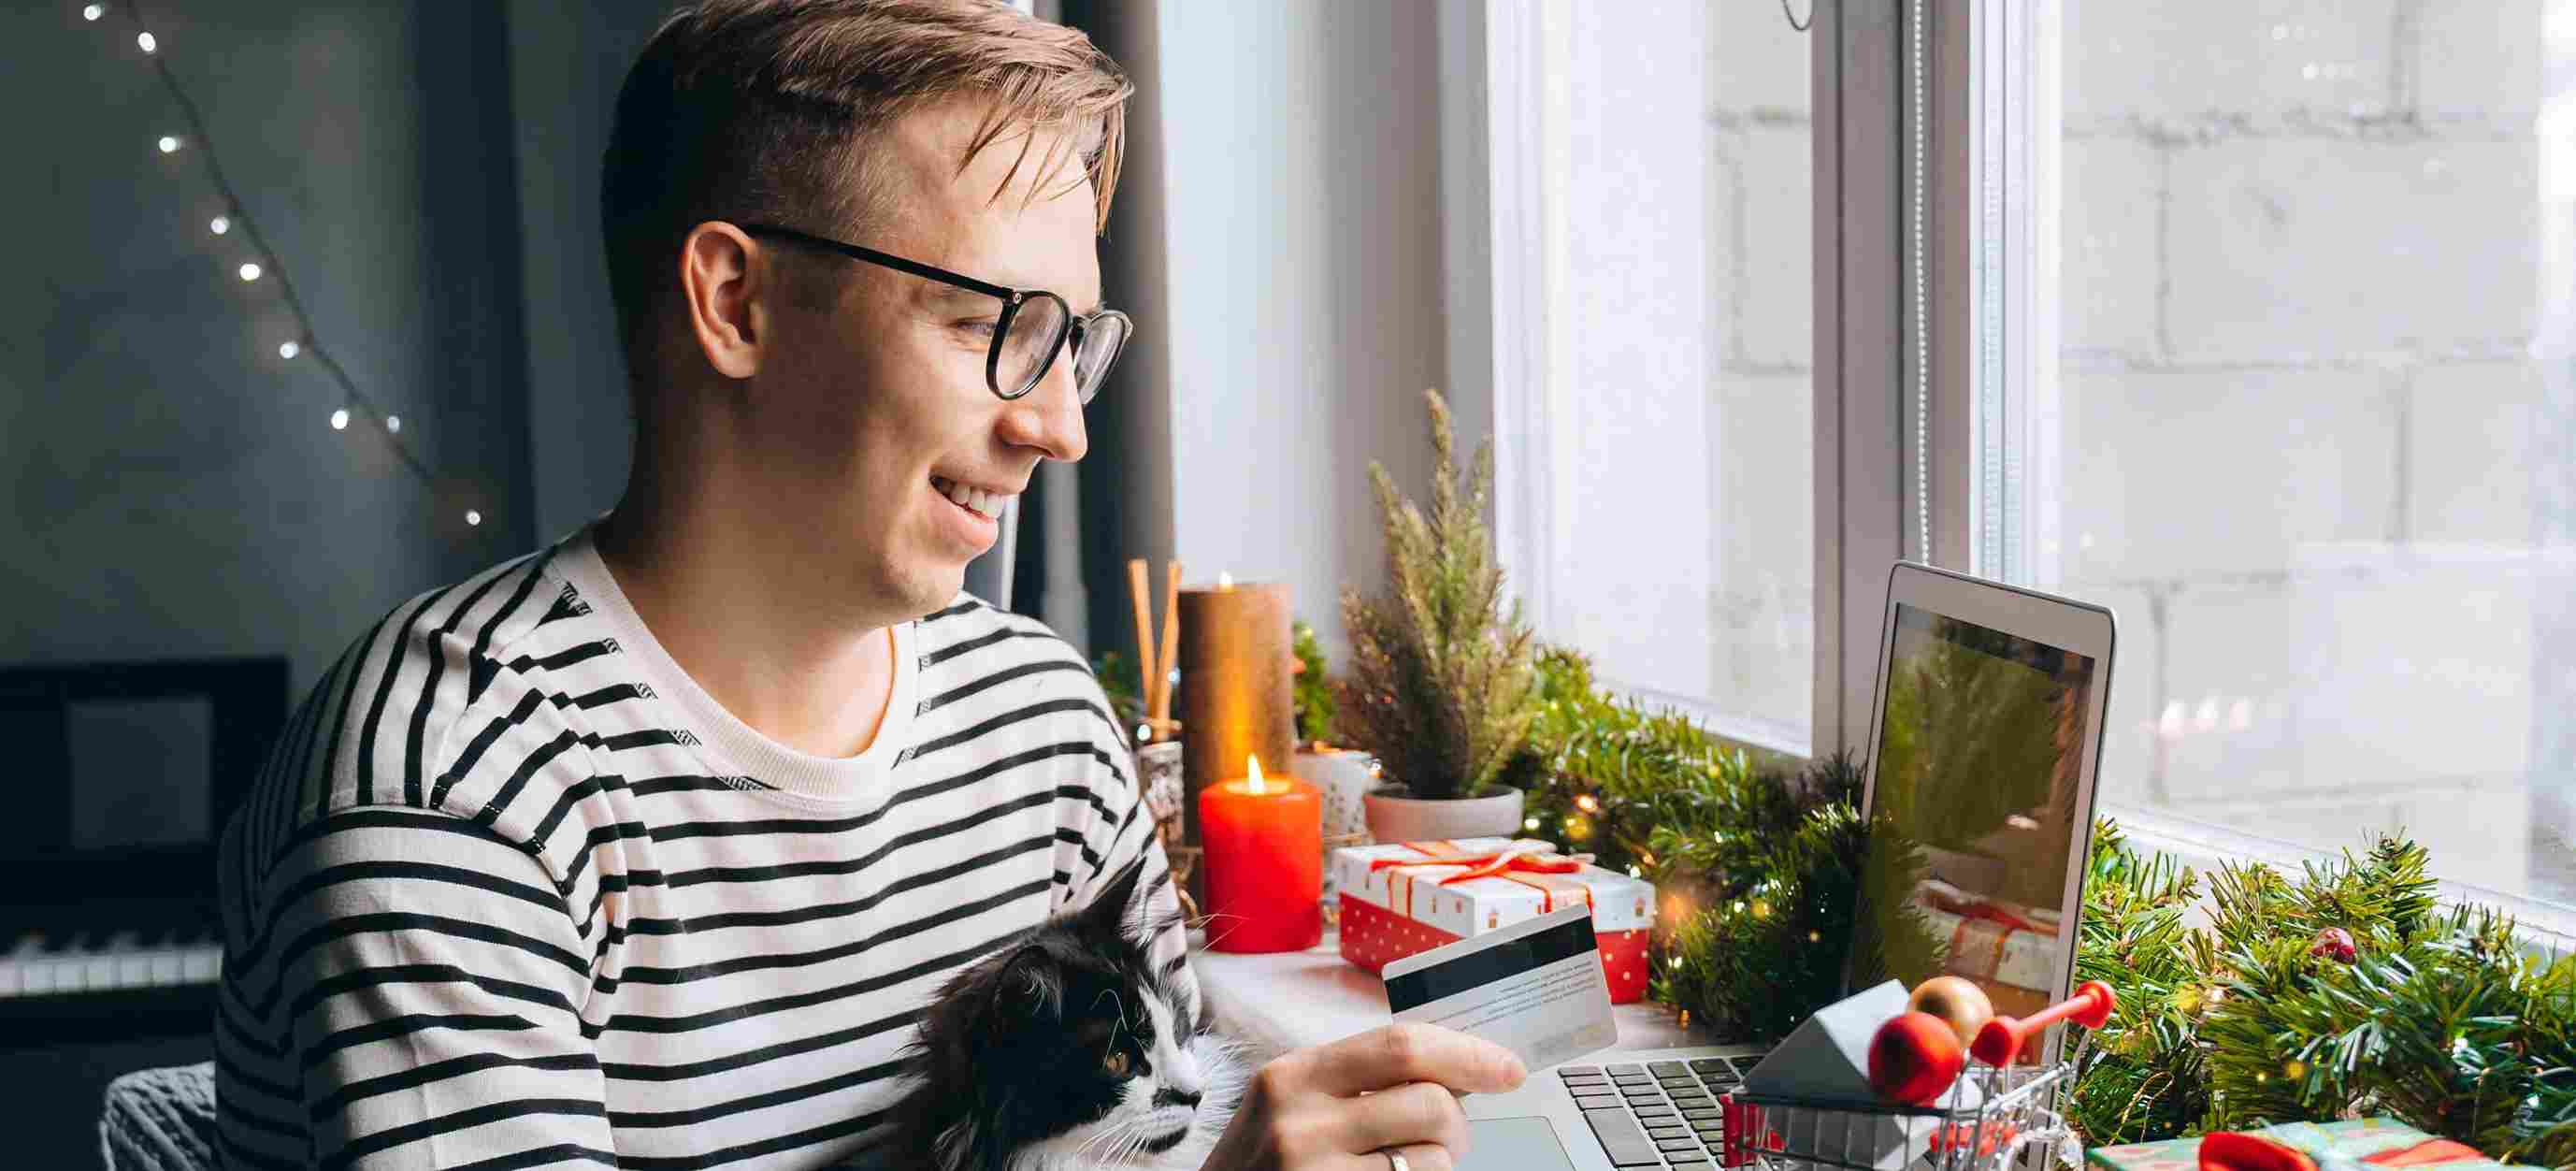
{"x": 175, "y": 487}
{"x": 565, "y": 63}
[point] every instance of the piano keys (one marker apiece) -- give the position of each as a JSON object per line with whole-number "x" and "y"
{"x": 41, "y": 964}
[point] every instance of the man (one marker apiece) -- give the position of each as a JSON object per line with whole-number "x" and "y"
{"x": 647, "y": 849}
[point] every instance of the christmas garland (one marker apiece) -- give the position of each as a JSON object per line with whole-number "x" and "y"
{"x": 1756, "y": 865}
{"x": 2343, "y": 991}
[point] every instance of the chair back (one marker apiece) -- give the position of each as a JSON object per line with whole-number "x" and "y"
{"x": 160, "y": 1119}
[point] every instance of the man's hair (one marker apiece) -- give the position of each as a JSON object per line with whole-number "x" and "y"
{"x": 750, "y": 110}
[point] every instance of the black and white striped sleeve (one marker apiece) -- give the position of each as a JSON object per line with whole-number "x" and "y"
{"x": 432, "y": 980}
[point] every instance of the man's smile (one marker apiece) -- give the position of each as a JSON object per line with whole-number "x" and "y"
{"x": 983, "y": 502}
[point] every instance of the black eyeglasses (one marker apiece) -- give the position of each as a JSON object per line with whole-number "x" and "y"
{"x": 1034, "y": 326}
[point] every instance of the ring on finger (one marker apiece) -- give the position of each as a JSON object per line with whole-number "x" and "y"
{"x": 1416, "y": 1157}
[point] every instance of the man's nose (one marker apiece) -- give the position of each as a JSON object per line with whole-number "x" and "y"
{"x": 1049, "y": 416}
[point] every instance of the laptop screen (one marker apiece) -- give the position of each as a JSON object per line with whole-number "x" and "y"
{"x": 1973, "y": 809}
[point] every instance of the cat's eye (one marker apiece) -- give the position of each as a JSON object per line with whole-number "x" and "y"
{"x": 1115, "y": 1063}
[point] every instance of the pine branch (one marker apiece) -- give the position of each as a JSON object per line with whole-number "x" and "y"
{"x": 2437, "y": 1019}
{"x": 1314, "y": 689}
{"x": 1441, "y": 686}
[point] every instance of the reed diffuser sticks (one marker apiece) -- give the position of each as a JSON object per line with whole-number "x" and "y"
{"x": 1156, "y": 658}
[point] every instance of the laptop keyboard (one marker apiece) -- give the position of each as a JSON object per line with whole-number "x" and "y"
{"x": 1656, "y": 1113}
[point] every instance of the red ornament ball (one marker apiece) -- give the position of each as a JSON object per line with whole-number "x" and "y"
{"x": 1914, "y": 1058}
{"x": 2335, "y": 943}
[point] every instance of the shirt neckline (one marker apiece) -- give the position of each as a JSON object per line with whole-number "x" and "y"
{"x": 733, "y": 743}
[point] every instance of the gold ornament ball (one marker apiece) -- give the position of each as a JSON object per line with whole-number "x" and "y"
{"x": 1959, "y": 1003}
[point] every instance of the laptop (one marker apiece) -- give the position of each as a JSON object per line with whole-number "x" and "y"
{"x": 1987, "y": 727}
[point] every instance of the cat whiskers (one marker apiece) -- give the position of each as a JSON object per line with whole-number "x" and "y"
{"x": 1122, "y": 1140}
{"x": 1100, "y": 1138}
{"x": 1111, "y": 994}
{"x": 1211, "y": 919}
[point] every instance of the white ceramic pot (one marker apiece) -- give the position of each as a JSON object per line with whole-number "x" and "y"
{"x": 1395, "y": 817}
{"x": 1344, "y": 777}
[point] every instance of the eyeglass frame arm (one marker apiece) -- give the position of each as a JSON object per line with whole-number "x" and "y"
{"x": 1012, "y": 299}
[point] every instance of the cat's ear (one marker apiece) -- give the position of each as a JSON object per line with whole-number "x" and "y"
{"x": 1106, "y": 916}
{"x": 1025, "y": 987}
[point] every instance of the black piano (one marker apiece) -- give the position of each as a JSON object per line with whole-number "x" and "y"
{"x": 123, "y": 776}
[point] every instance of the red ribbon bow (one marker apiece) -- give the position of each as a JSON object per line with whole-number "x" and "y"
{"x": 1503, "y": 864}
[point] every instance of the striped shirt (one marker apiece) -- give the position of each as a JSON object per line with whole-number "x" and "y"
{"x": 515, "y": 892}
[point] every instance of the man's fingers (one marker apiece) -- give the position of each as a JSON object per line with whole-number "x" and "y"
{"x": 1417, "y": 1157}
{"x": 1418, "y": 1113}
{"x": 1401, "y": 1053}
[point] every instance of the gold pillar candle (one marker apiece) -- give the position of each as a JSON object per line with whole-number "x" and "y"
{"x": 1234, "y": 693}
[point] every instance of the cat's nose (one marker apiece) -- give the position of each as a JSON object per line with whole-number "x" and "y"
{"x": 1172, "y": 1097}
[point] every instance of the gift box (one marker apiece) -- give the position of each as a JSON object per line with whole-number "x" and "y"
{"x": 2360, "y": 1144}
{"x": 1399, "y": 898}
{"x": 1994, "y": 942}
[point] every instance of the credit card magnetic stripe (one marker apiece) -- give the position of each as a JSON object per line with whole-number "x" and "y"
{"x": 1501, "y": 961}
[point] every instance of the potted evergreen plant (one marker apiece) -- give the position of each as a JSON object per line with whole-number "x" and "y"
{"x": 1442, "y": 684}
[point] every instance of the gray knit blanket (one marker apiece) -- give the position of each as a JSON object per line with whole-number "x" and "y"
{"x": 160, "y": 1120}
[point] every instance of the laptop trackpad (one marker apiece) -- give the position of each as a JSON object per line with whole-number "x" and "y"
{"x": 1513, "y": 1144}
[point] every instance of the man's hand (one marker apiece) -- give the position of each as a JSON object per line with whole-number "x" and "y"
{"x": 1333, "y": 1107}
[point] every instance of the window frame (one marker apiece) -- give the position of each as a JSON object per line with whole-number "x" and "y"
{"x": 1493, "y": 130}
{"x": 1862, "y": 362}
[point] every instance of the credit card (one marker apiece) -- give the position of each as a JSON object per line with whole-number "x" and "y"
{"x": 1535, "y": 988}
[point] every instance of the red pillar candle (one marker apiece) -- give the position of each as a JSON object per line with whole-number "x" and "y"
{"x": 1264, "y": 841}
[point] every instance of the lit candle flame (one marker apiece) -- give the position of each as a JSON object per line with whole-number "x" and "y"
{"x": 1252, "y": 769}
{"x": 1224, "y": 580}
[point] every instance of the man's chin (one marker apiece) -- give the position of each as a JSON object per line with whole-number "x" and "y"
{"x": 932, "y": 591}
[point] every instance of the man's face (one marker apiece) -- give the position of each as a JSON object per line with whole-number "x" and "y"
{"x": 875, "y": 397}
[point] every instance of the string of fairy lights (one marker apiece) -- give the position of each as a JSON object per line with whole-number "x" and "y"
{"x": 260, "y": 262}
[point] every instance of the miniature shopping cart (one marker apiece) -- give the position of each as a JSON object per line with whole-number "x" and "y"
{"x": 1990, "y": 1118}
{"x": 1996, "y": 1109}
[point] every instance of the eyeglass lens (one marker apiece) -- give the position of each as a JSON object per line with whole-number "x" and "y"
{"x": 1036, "y": 334}
{"x": 1035, "y": 330}
{"x": 1101, "y": 341}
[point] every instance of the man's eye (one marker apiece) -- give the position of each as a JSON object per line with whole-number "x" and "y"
{"x": 981, "y": 328}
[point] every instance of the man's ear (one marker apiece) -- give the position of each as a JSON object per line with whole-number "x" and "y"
{"x": 723, "y": 287}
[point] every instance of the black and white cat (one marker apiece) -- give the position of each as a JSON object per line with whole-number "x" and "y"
{"x": 1066, "y": 1049}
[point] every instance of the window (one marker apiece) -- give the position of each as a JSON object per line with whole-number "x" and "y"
{"x": 2272, "y": 322}
{"x": 1652, "y": 348}
{"x": 2254, "y": 322}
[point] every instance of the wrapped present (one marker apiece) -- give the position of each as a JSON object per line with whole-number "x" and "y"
{"x": 2010, "y": 950}
{"x": 1983, "y": 948}
{"x": 1399, "y": 898}
{"x": 2360, "y": 1144}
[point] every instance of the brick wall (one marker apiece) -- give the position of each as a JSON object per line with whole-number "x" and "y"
{"x": 2302, "y": 286}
